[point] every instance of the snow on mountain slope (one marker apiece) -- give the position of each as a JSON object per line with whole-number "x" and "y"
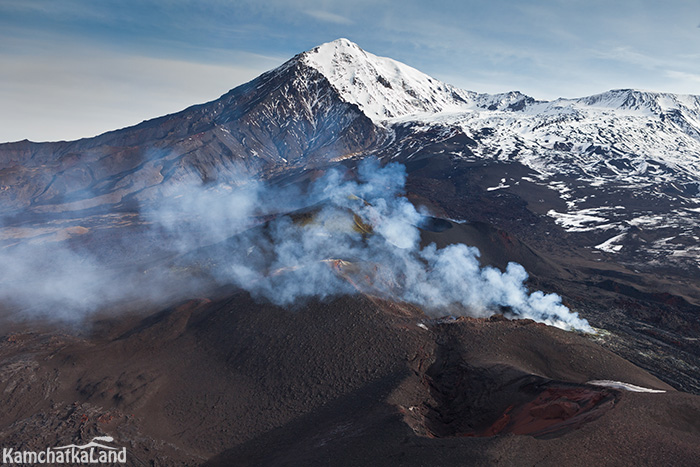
{"x": 381, "y": 87}
{"x": 645, "y": 102}
{"x": 385, "y": 89}
{"x": 592, "y": 139}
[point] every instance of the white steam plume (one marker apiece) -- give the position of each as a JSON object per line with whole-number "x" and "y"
{"x": 344, "y": 234}
{"x": 370, "y": 229}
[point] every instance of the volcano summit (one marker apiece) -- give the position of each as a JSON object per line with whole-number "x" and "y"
{"x": 347, "y": 261}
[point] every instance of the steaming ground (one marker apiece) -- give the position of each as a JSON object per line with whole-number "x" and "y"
{"x": 347, "y": 233}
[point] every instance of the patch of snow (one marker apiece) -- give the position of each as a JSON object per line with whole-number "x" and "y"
{"x": 493, "y": 188}
{"x": 609, "y": 245}
{"x": 626, "y": 386}
{"x": 647, "y": 221}
{"x": 501, "y": 185}
{"x": 579, "y": 221}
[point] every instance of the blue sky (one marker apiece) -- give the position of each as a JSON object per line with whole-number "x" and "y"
{"x": 77, "y": 68}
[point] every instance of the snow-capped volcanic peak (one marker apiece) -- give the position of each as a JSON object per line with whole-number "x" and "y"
{"x": 381, "y": 87}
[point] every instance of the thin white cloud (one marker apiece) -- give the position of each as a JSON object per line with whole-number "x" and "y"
{"x": 627, "y": 54}
{"x": 328, "y": 17}
{"x": 683, "y": 76}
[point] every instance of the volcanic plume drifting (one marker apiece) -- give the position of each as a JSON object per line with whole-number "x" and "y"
{"x": 348, "y": 234}
{"x": 343, "y": 233}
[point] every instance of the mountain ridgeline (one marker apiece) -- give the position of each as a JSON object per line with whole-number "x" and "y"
{"x": 337, "y": 102}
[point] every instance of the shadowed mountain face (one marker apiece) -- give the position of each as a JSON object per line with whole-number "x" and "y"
{"x": 235, "y": 283}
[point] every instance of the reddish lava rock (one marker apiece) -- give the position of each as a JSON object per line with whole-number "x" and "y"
{"x": 557, "y": 409}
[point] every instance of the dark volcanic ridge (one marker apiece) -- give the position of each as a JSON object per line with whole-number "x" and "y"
{"x": 370, "y": 379}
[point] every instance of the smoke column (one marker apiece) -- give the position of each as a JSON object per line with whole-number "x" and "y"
{"x": 366, "y": 225}
{"x": 342, "y": 234}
